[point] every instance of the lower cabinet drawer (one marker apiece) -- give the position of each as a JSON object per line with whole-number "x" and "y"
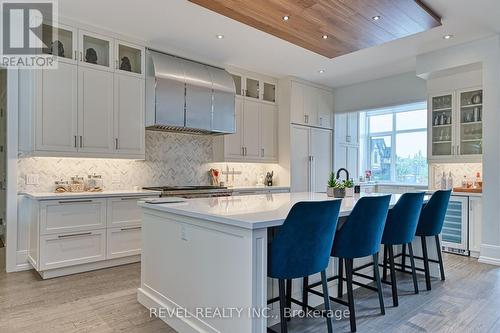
{"x": 123, "y": 242}
{"x": 70, "y": 249}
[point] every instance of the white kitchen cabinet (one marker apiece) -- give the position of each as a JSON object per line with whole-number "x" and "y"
{"x": 62, "y": 216}
{"x": 253, "y": 86}
{"x": 311, "y": 158}
{"x": 455, "y": 123}
{"x": 310, "y": 105}
{"x": 82, "y": 109}
{"x": 269, "y": 132}
{"x": 67, "y": 236}
{"x": 67, "y": 37}
{"x": 475, "y": 222}
{"x": 63, "y": 250}
{"x": 56, "y": 108}
{"x": 95, "y": 110}
{"x": 347, "y": 143}
{"x": 129, "y": 115}
{"x": 255, "y": 139}
{"x": 123, "y": 242}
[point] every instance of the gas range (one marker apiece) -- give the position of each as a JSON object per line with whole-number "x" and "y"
{"x": 204, "y": 191}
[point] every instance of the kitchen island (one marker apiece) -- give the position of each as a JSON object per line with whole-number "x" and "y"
{"x": 204, "y": 261}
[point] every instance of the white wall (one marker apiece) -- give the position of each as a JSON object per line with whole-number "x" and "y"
{"x": 394, "y": 90}
{"x": 486, "y": 52}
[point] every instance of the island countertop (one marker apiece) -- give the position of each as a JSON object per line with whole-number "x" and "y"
{"x": 252, "y": 211}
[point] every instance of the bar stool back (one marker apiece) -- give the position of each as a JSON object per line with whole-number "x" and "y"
{"x": 302, "y": 248}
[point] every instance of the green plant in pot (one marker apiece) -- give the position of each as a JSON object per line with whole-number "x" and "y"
{"x": 349, "y": 187}
{"x": 335, "y": 188}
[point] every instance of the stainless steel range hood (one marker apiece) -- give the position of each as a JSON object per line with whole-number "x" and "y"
{"x": 189, "y": 97}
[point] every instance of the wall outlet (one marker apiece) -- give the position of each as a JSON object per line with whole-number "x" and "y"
{"x": 32, "y": 179}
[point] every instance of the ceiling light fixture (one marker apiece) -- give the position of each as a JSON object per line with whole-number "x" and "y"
{"x": 220, "y": 36}
{"x": 286, "y": 18}
{"x": 447, "y": 36}
{"x": 321, "y": 71}
{"x": 376, "y": 18}
{"x": 325, "y": 36}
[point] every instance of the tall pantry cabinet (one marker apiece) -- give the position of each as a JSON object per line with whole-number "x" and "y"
{"x": 306, "y": 134}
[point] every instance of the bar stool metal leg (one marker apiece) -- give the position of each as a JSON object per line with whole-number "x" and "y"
{"x": 340, "y": 287}
{"x": 440, "y": 257}
{"x": 384, "y": 274}
{"x": 305, "y": 293}
{"x": 379, "y": 283}
{"x": 403, "y": 257}
{"x": 394, "y": 284}
{"x": 283, "y": 325}
{"x": 413, "y": 270}
{"x": 426, "y": 263}
{"x": 289, "y": 297}
{"x": 350, "y": 294}
{"x": 327, "y": 301}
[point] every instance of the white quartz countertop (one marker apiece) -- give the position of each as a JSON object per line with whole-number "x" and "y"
{"x": 252, "y": 211}
{"x": 76, "y": 195}
{"x": 258, "y": 188}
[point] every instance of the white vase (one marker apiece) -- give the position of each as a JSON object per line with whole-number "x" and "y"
{"x": 349, "y": 192}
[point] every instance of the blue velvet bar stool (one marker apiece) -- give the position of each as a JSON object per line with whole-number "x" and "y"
{"x": 431, "y": 224}
{"x": 400, "y": 228}
{"x": 360, "y": 236}
{"x": 302, "y": 247}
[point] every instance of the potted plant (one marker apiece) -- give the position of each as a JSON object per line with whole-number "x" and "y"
{"x": 335, "y": 188}
{"x": 349, "y": 187}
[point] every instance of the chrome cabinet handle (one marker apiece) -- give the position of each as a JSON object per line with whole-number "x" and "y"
{"x": 81, "y": 141}
{"x": 116, "y": 143}
{"x": 81, "y": 56}
{"x": 73, "y": 201}
{"x": 131, "y": 228}
{"x": 246, "y": 152}
{"x": 76, "y": 144}
{"x": 242, "y": 151}
{"x": 75, "y": 235}
{"x": 129, "y": 199}
{"x": 306, "y": 118}
{"x": 76, "y": 55}
{"x": 262, "y": 152}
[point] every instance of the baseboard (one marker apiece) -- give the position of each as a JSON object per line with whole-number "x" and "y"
{"x": 490, "y": 254}
{"x": 22, "y": 263}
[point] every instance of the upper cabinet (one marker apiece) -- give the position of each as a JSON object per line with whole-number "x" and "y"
{"x": 310, "y": 105}
{"x": 456, "y": 129}
{"x": 255, "y": 88}
{"x": 92, "y": 104}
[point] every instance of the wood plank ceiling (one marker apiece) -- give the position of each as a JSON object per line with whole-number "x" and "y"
{"x": 330, "y": 27}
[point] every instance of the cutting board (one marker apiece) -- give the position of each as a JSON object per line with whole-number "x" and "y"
{"x": 468, "y": 190}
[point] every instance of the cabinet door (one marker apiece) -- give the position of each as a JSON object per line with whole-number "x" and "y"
{"x": 340, "y": 156}
{"x": 233, "y": 143}
{"x": 123, "y": 242}
{"x": 341, "y": 128}
{"x": 321, "y": 151}
{"x": 300, "y": 159}
{"x": 475, "y": 221}
{"x": 96, "y": 51}
{"x": 129, "y": 59}
{"x": 325, "y": 108}
{"x": 56, "y": 108}
{"x": 123, "y": 212}
{"x": 297, "y": 103}
{"x": 353, "y": 128}
{"x": 251, "y": 128}
{"x": 269, "y": 132}
{"x": 470, "y": 118}
{"x": 311, "y": 96}
{"x": 442, "y": 124}
{"x": 129, "y": 115}
{"x": 95, "y": 110}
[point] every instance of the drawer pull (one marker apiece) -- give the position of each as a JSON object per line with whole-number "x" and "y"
{"x": 129, "y": 199}
{"x": 74, "y": 201}
{"x": 75, "y": 235}
{"x": 132, "y": 228}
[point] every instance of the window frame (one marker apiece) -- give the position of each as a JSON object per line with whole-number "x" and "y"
{"x": 419, "y": 106}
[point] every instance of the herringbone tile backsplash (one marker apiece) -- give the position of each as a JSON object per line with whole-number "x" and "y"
{"x": 171, "y": 159}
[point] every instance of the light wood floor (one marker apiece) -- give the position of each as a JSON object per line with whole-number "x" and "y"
{"x": 105, "y": 301}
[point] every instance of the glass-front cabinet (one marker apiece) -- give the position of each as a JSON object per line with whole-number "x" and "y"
{"x": 95, "y": 50}
{"x": 471, "y": 122}
{"x": 129, "y": 58}
{"x": 60, "y": 42}
{"x": 254, "y": 88}
{"x": 456, "y": 127}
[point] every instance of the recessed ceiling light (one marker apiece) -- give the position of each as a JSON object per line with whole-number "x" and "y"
{"x": 376, "y": 18}
{"x": 325, "y": 36}
{"x": 286, "y": 18}
{"x": 220, "y": 36}
{"x": 447, "y": 36}
{"x": 321, "y": 71}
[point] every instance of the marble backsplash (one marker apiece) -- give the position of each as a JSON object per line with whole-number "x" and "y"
{"x": 458, "y": 171}
{"x": 171, "y": 159}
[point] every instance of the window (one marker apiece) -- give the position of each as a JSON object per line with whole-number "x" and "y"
{"x": 396, "y": 144}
